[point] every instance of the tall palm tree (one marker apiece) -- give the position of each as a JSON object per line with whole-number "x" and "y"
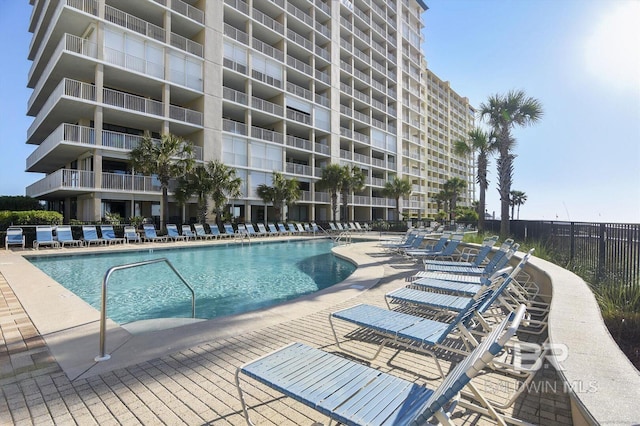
{"x": 397, "y": 188}
{"x": 225, "y": 185}
{"x": 484, "y": 144}
{"x": 503, "y": 113}
{"x": 352, "y": 181}
{"x": 332, "y": 178}
{"x": 282, "y": 192}
{"x": 453, "y": 187}
{"x": 518, "y": 198}
{"x": 168, "y": 159}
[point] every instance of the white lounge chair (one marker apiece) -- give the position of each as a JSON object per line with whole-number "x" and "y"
{"x": 14, "y": 237}
{"x": 44, "y": 237}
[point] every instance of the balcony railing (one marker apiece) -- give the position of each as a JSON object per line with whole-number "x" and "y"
{"x": 234, "y": 127}
{"x": 322, "y": 149}
{"x": 298, "y": 142}
{"x": 187, "y": 10}
{"x": 63, "y": 133}
{"x": 298, "y": 116}
{"x": 62, "y": 179}
{"x": 299, "y": 169}
{"x": 87, "y": 92}
{"x": 82, "y": 181}
{"x": 266, "y": 135}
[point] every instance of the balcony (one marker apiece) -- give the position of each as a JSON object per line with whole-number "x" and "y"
{"x": 68, "y": 141}
{"x": 71, "y": 182}
{"x": 299, "y": 169}
{"x": 299, "y": 142}
{"x": 71, "y": 99}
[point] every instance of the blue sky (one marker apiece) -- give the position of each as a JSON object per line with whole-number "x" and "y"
{"x": 580, "y": 58}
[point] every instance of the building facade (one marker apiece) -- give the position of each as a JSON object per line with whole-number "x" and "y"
{"x": 289, "y": 86}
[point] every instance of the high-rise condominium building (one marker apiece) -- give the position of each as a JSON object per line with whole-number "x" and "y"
{"x": 262, "y": 85}
{"x": 449, "y": 118}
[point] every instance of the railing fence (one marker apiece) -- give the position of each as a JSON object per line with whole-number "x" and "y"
{"x": 606, "y": 250}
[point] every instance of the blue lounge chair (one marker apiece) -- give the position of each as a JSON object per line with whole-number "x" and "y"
{"x": 283, "y": 230}
{"x": 188, "y": 233}
{"x": 415, "y": 244}
{"x": 408, "y": 330}
{"x": 228, "y": 230}
{"x": 174, "y": 234}
{"x": 499, "y": 260}
{"x": 44, "y": 237}
{"x": 65, "y": 236}
{"x": 354, "y": 394}
{"x": 455, "y": 302}
{"x": 90, "y": 235}
{"x": 242, "y": 229}
{"x": 215, "y": 231}
{"x": 262, "y": 230}
{"x": 151, "y": 235}
{"x": 300, "y": 228}
{"x": 479, "y": 256}
{"x": 202, "y": 234}
{"x": 448, "y": 252}
{"x": 315, "y": 228}
{"x": 272, "y": 229}
{"x": 130, "y": 235}
{"x": 15, "y": 237}
{"x": 109, "y": 235}
{"x": 251, "y": 230}
{"x": 332, "y": 227}
{"x": 292, "y": 228}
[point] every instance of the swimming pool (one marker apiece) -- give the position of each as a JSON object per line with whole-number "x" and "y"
{"x": 227, "y": 279}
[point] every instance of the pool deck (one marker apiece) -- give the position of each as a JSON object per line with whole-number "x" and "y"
{"x": 185, "y": 375}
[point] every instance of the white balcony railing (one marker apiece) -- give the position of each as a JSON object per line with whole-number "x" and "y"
{"x": 299, "y": 169}
{"x": 83, "y": 181}
{"x": 62, "y": 179}
{"x": 64, "y": 133}
{"x": 187, "y": 10}
{"x": 299, "y": 142}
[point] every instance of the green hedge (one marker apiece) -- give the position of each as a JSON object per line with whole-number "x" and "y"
{"x": 30, "y": 217}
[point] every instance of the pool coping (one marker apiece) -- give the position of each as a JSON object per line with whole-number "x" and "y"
{"x": 70, "y": 326}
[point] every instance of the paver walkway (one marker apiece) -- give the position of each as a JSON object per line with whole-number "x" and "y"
{"x": 196, "y": 386}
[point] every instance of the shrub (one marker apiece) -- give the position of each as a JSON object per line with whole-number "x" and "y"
{"x": 30, "y": 217}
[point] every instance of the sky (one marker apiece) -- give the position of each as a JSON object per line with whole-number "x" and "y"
{"x": 579, "y": 58}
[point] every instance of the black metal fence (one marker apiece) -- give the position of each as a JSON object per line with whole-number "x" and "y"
{"x": 606, "y": 250}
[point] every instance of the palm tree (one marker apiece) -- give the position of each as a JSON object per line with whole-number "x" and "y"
{"x": 442, "y": 199}
{"x": 197, "y": 182}
{"x": 225, "y": 185}
{"x": 352, "y": 181}
{"x": 332, "y": 179}
{"x": 518, "y": 198}
{"x": 397, "y": 188}
{"x": 168, "y": 159}
{"x": 503, "y": 113}
{"x": 484, "y": 144}
{"x": 284, "y": 191}
{"x": 453, "y": 187}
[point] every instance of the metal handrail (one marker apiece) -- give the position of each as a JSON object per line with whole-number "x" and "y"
{"x": 103, "y": 308}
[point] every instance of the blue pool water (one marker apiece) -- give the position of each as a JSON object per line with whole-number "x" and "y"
{"x": 226, "y": 279}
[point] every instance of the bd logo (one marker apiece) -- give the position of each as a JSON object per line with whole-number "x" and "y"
{"x": 532, "y": 356}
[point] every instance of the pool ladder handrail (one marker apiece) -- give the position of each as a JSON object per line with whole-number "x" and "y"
{"x": 346, "y": 235}
{"x": 103, "y": 307}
